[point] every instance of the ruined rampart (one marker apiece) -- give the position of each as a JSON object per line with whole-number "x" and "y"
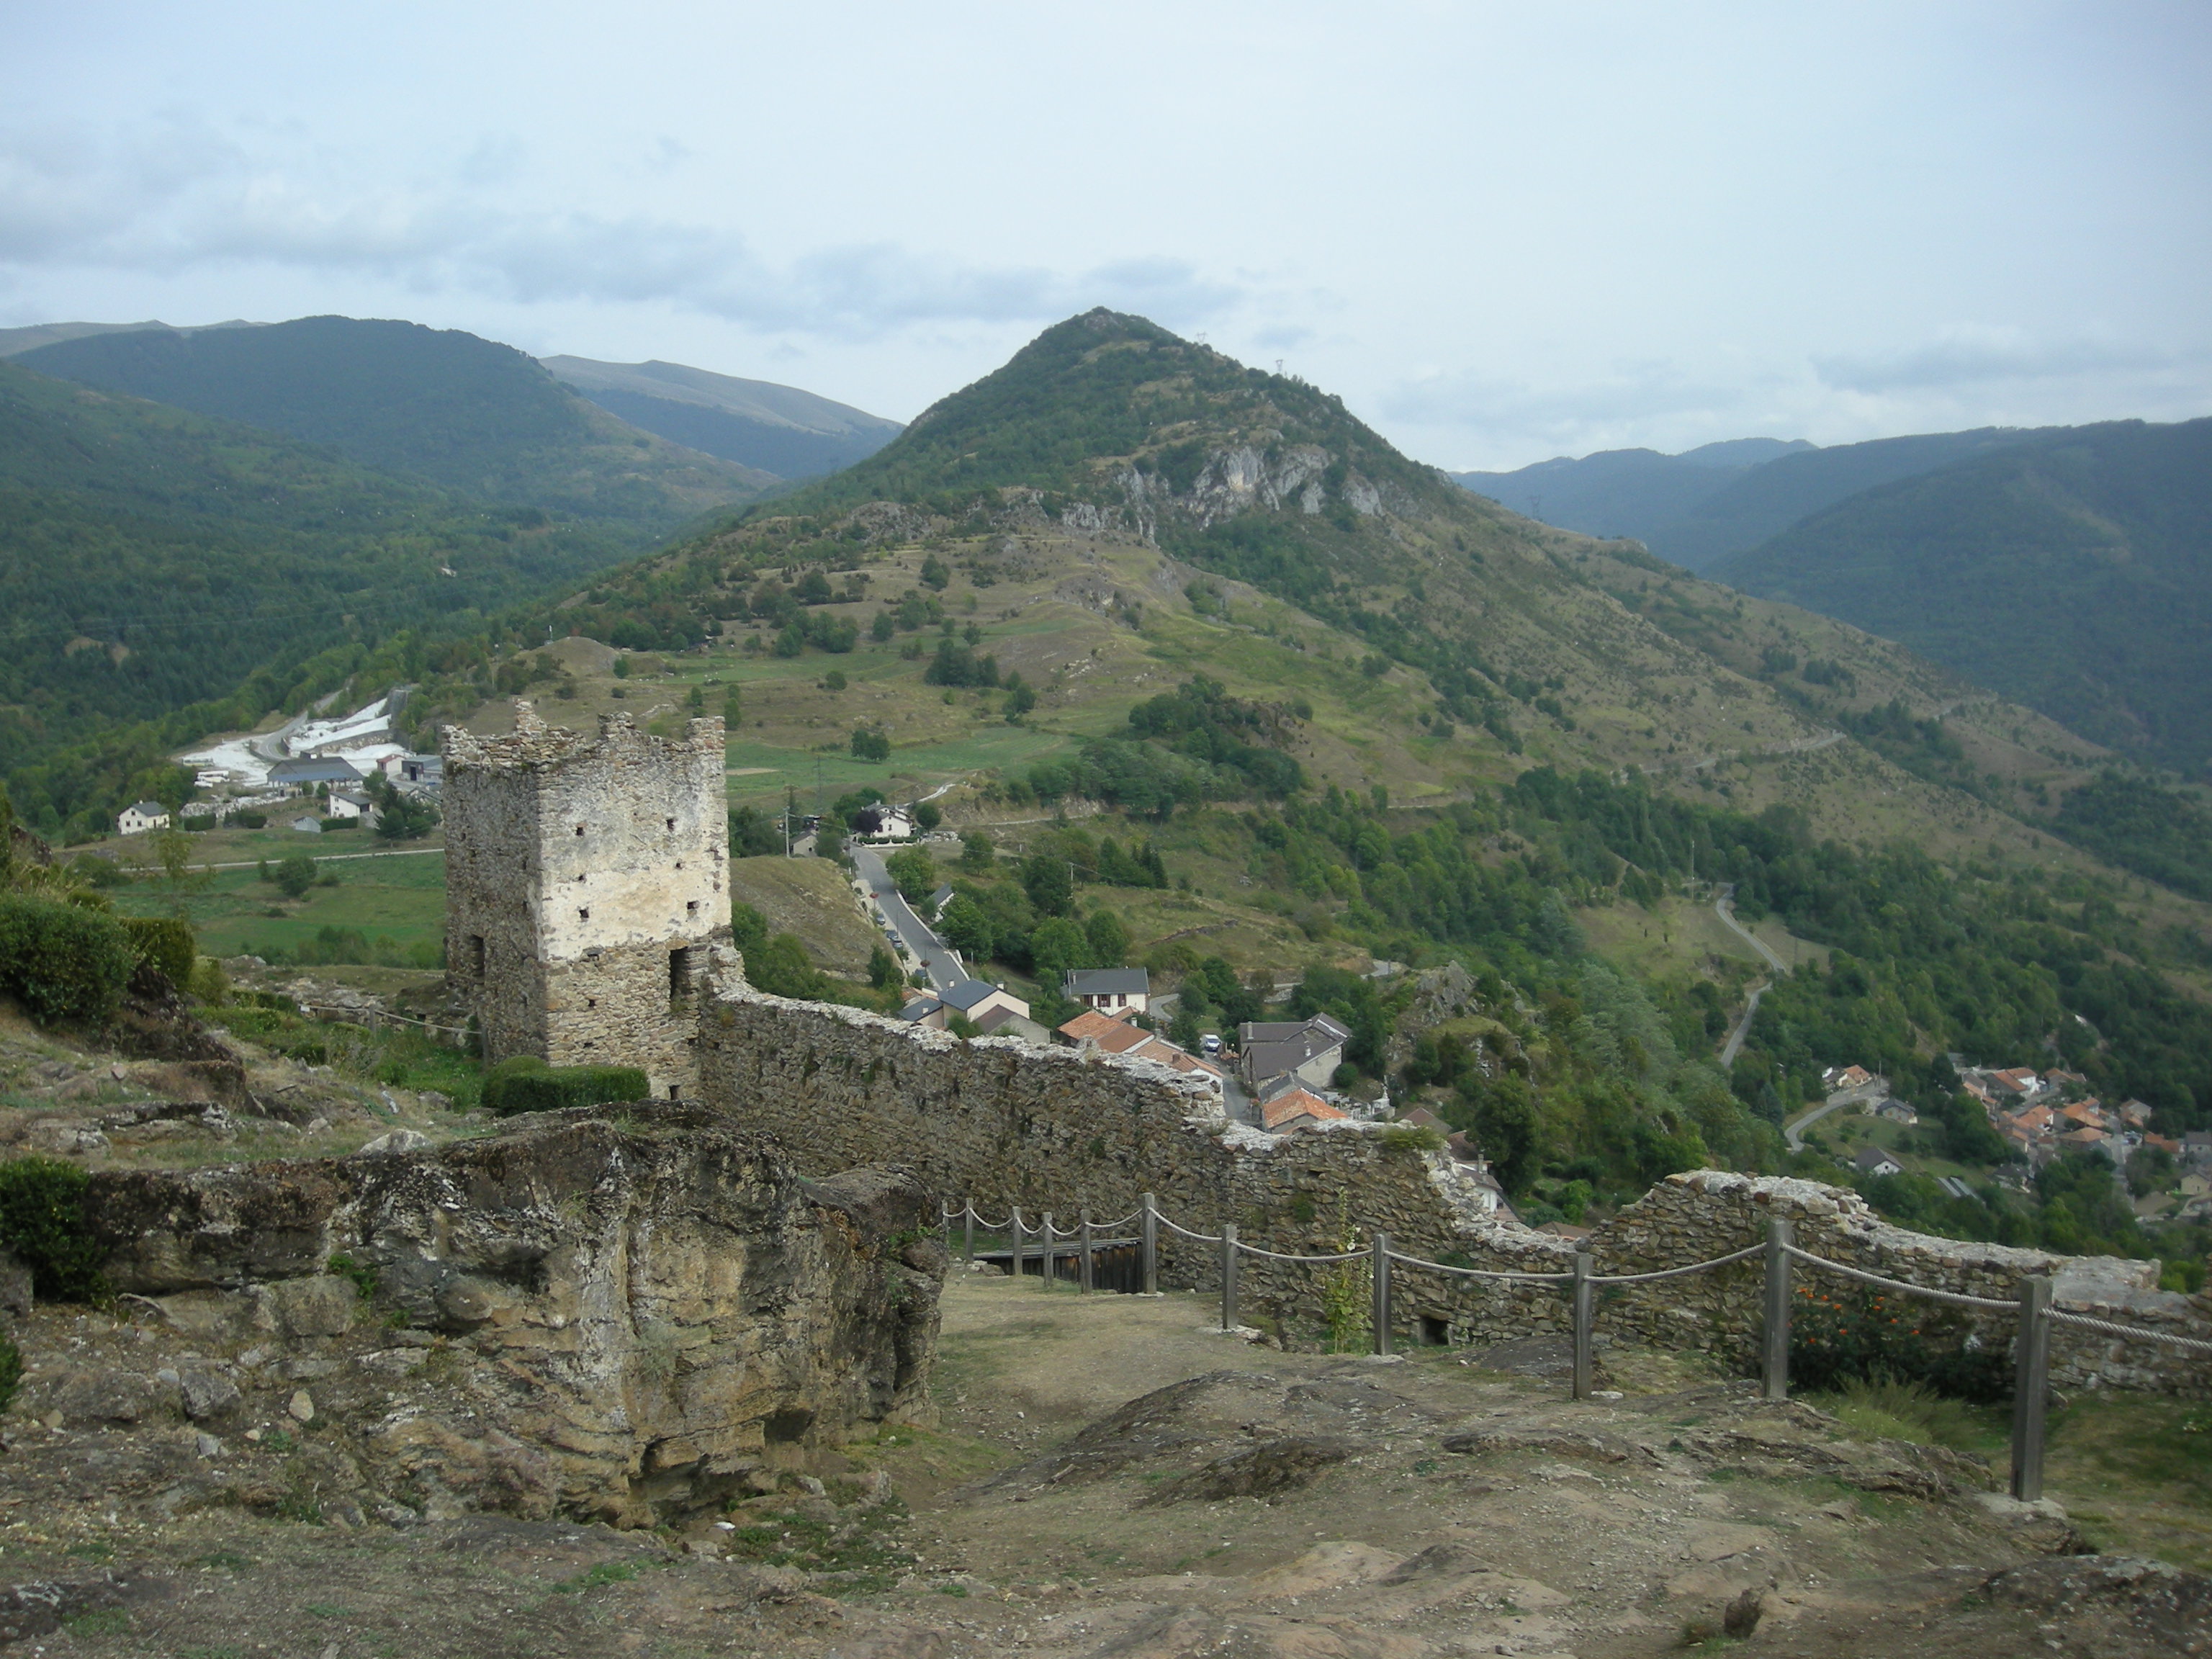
{"x": 998, "y": 1123}
{"x": 622, "y": 1313}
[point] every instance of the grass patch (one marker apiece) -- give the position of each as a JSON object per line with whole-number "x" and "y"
{"x": 2138, "y": 1468}
{"x": 607, "y": 1572}
{"x": 858, "y": 1550}
{"x": 1892, "y": 1410}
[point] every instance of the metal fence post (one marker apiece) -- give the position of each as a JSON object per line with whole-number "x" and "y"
{"x": 1015, "y": 1224}
{"x": 1775, "y": 1333}
{"x": 1584, "y": 1294}
{"x": 1085, "y": 1282}
{"x": 1151, "y": 1234}
{"x": 1047, "y": 1264}
{"x": 2031, "y": 1387}
{"x": 967, "y": 1231}
{"x": 1228, "y": 1275}
{"x": 1381, "y": 1251}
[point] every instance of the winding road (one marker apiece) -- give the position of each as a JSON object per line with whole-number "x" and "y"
{"x": 1724, "y": 906}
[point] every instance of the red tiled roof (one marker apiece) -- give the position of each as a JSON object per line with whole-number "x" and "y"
{"x": 1294, "y": 1103}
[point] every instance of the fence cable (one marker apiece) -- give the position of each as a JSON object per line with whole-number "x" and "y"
{"x": 1956, "y": 1297}
{"x": 1744, "y": 1255}
{"x": 2134, "y": 1333}
{"x": 1476, "y": 1272}
{"x": 1277, "y": 1255}
{"x": 1203, "y": 1238}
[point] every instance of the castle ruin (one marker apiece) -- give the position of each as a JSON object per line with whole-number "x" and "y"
{"x": 586, "y": 879}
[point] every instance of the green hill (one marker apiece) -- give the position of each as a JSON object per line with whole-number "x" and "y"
{"x": 1725, "y": 498}
{"x": 441, "y": 406}
{"x": 776, "y": 428}
{"x": 163, "y": 573}
{"x": 2071, "y": 571}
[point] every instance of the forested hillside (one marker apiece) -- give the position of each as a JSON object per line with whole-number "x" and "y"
{"x": 474, "y": 417}
{"x": 166, "y": 574}
{"x": 1698, "y": 507}
{"x": 775, "y": 428}
{"x": 2072, "y": 572}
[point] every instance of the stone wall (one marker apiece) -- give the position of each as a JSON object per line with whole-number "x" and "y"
{"x": 619, "y": 1315}
{"x": 586, "y": 880}
{"x": 998, "y": 1122}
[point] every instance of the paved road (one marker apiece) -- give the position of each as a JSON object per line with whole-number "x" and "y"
{"x": 1724, "y": 907}
{"x": 1794, "y": 1132}
{"x": 935, "y": 955}
{"x": 326, "y": 858}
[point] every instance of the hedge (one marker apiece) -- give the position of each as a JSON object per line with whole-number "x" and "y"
{"x": 43, "y": 1224}
{"x": 62, "y": 962}
{"x": 526, "y": 1083}
{"x": 167, "y": 942}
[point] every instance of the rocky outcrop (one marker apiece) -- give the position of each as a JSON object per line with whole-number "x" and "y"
{"x": 614, "y": 1313}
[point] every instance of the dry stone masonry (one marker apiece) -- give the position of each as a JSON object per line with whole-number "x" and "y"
{"x": 622, "y": 1316}
{"x": 586, "y": 880}
{"x": 1000, "y": 1122}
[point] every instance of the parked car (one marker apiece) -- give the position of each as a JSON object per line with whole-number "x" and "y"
{"x": 1210, "y": 1045}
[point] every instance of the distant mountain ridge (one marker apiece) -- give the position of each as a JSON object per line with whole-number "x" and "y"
{"x": 2070, "y": 570}
{"x": 438, "y": 405}
{"x": 775, "y": 428}
{"x": 15, "y": 340}
{"x": 1722, "y": 498}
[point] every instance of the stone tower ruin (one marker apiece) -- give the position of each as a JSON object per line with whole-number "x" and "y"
{"x": 586, "y": 879}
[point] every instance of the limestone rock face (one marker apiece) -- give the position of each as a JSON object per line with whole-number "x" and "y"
{"x": 618, "y": 1313}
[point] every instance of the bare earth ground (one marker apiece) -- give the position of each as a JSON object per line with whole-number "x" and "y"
{"x": 1249, "y": 1503}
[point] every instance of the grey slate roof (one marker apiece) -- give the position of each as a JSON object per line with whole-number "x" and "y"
{"x": 1108, "y": 983}
{"x": 324, "y": 769}
{"x": 1272, "y": 1047}
{"x": 966, "y": 994}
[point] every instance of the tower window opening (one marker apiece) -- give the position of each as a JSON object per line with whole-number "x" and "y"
{"x": 672, "y": 826}
{"x": 477, "y": 953}
{"x": 679, "y": 973}
{"x": 582, "y": 914}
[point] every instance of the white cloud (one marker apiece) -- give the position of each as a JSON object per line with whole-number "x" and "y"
{"x": 171, "y": 200}
{"x": 1973, "y": 355}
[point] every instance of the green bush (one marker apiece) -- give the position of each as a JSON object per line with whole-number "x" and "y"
{"x": 11, "y": 1371}
{"x": 1838, "y": 1338}
{"x": 526, "y": 1083}
{"x": 164, "y": 942}
{"x": 62, "y": 962}
{"x": 43, "y": 1224}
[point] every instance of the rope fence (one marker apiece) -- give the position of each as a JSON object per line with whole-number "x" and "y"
{"x": 2031, "y": 1308}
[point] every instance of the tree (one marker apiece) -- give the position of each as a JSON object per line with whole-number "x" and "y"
{"x": 869, "y": 745}
{"x": 977, "y": 854}
{"x": 622, "y": 668}
{"x": 753, "y": 833}
{"x": 935, "y": 574}
{"x": 1109, "y": 940}
{"x": 834, "y": 680}
{"x": 295, "y": 876}
{"x": 1183, "y": 1031}
{"x": 927, "y": 816}
{"x": 1057, "y": 945}
{"x": 1501, "y": 1115}
{"x": 782, "y": 969}
{"x": 733, "y": 708}
{"x": 882, "y": 969}
{"x": 1020, "y": 699}
{"x": 968, "y": 928}
{"x": 915, "y": 871}
{"x": 1045, "y": 880}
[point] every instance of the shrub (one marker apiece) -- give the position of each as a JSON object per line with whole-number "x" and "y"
{"x": 62, "y": 962}
{"x": 42, "y": 1224}
{"x": 526, "y": 1083}
{"x": 1837, "y": 1338}
{"x": 11, "y": 1371}
{"x": 295, "y": 876}
{"x": 167, "y": 942}
{"x": 250, "y": 820}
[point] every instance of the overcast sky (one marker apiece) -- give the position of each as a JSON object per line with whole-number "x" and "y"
{"x": 1503, "y": 232}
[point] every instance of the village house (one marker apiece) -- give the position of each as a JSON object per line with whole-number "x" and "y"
{"x": 1109, "y": 990}
{"x": 352, "y": 803}
{"x": 1109, "y": 1034}
{"x": 1841, "y": 1079}
{"x": 1296, "y": 1108}
{"x": 1896, "y": 1111}
{"x": 1309, "y": 1050}
{"x": 1876, "y": 1161}
{"x": 140, "y": 817}
{"x": 975, "y": 998}
{"x": 2135, "y": 1114}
